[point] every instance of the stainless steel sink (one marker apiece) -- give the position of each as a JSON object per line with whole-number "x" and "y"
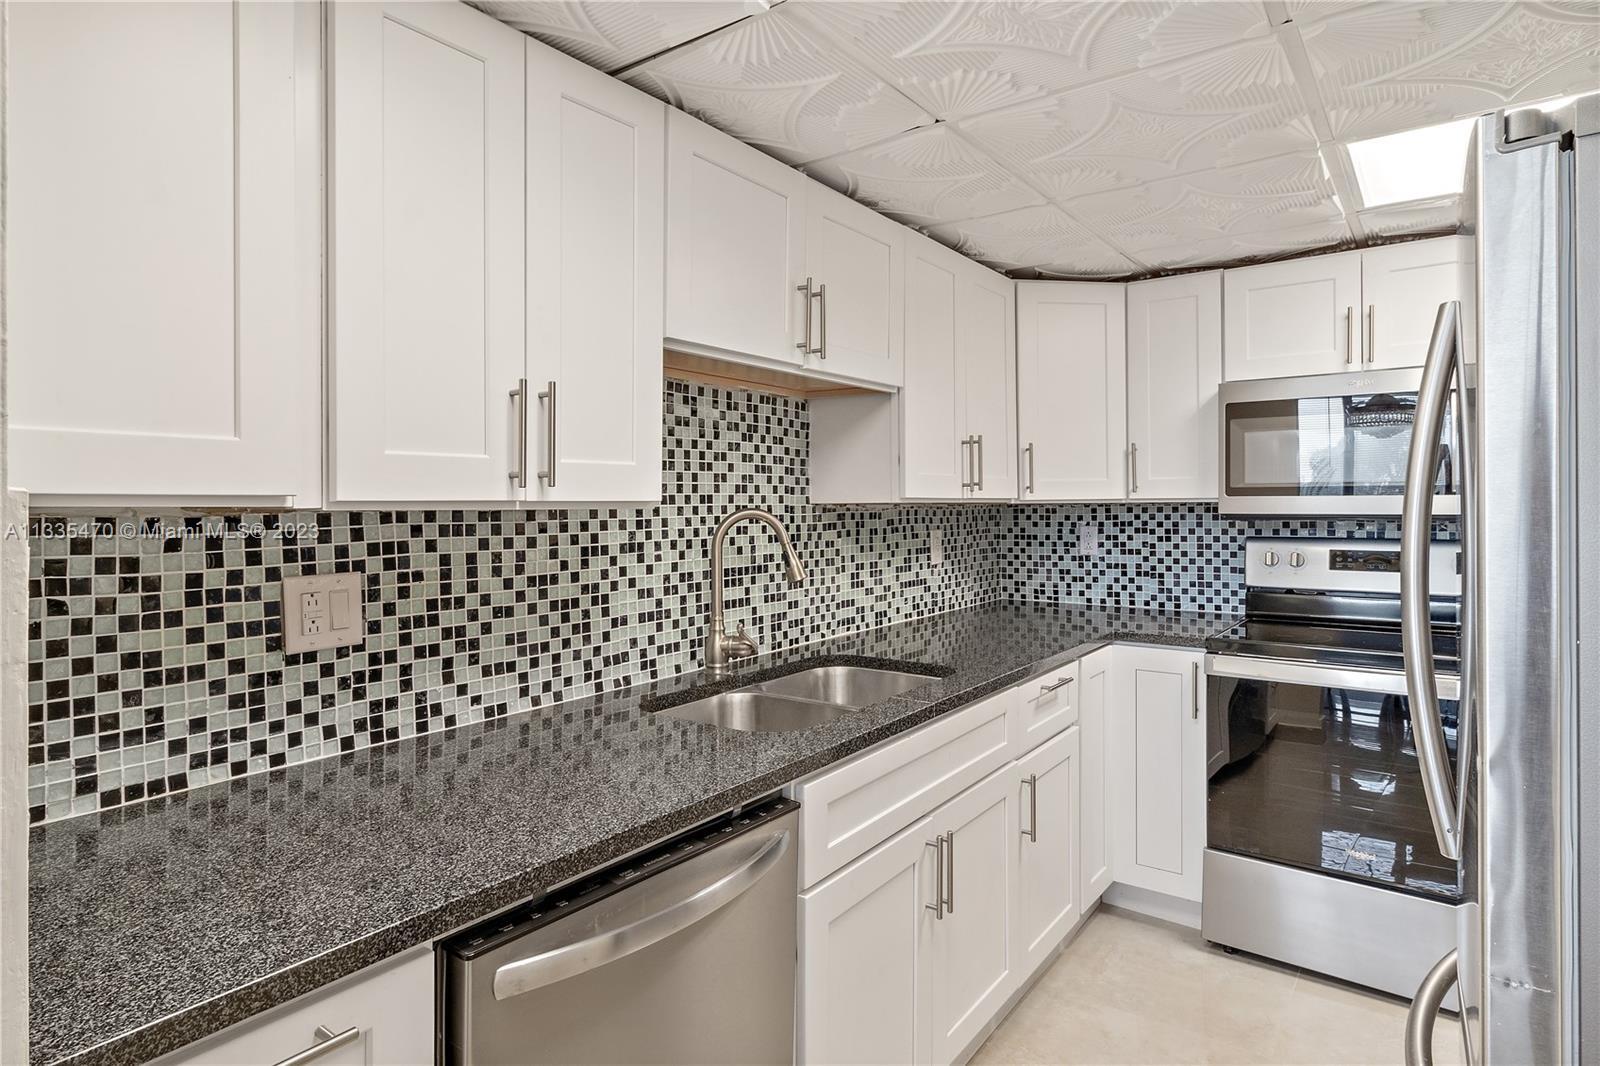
{"x": 848, "y": 686}
{"x": 757, "y": 712}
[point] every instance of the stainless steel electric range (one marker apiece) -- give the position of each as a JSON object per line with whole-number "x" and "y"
{"x": 1320, "y": 849}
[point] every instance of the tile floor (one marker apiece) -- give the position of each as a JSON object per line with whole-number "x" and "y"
{"x": 1131, "y": 989}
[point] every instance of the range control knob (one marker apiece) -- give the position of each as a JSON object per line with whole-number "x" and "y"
{"x": 1297, "y": 560}
{"x": 1271, "y": 558}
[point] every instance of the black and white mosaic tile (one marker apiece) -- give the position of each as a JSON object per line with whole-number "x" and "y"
{"x": 156, "y": 661}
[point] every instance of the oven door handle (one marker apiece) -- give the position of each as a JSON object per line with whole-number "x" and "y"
{"x": 727, "y": 882}
{"x": 1354, "y": 679}
{"x": 1416, "y": 528}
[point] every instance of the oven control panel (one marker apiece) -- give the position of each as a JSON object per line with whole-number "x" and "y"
{"x": 1327, "y": 565}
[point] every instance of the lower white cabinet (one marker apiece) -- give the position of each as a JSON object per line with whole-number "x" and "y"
{"x": 1095, "y": 831}
{"x": 1048, "y": 901}
{"x": 389, "y": 1008}
{"x": 1158, "y": 769}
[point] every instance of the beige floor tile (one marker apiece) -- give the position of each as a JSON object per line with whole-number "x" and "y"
{"x": 1132, "y": 990}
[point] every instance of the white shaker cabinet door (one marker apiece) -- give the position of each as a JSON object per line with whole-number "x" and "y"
{"x": 1095, "y": 814}
{"x": 735, "y": 245}
{"x": 1047, "y": 857}
{"x": 1302, "y": 316}
{"x": 1071, "y": 390}
{"x": 861, "y": 932}
{"x": 163, "y": 312}
{"x": 1174, "y": 367}
{"x": 934, "y": 460}
{"x": 1403, "y": 286}
{"x": 855, "y": 260}
{"x": 986, "y": 319}
{"x": 426, "y": 219}
{"x": 594, "y": 298}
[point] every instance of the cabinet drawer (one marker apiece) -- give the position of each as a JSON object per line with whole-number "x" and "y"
{"x": 849, "y": 809}
{"x": 390, "y": 1006}
{"x": 1044, "y": 707}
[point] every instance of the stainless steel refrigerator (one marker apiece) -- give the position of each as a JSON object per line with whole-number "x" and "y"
{"x": 1523, "y": 813}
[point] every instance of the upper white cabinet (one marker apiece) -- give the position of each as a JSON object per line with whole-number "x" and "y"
{"x": 426, "y": 207}
{"x": 853, "y": 323}
{"x": 736, "y": 227}
{"x": 1403, "y": 286}
{"x": 1302, "y": 316}
{"x": 163, "y": 250}
{"x": 1174, "y": 367}
{"x": 1071, "y": 390}
{"x": 986, "y": 320}
{"x": 594, "y": 283}
{"x": 1158, "y": 769}
{"x": 932, "y": 409}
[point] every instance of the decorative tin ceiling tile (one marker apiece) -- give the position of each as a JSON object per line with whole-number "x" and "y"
{"x": 1244, "y": 248}
{"x": 610, "y": 34}
{"x": 1425, "y": 216}
{"x": 769, "y": 82}
{"x": 1282, "y": 193}
{"x": 1040, "y": 238}
{"x": 1230, "y": 107}
{"x": 926, "y": 176}
{"x": 960, "y": 59}
{"x": 1384, "y": 68}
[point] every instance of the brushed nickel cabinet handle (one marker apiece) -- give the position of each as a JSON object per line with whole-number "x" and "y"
{"x": 822, "y": 321}
{"x": 1063, "y": 683}
{"x": 327, "y": 1040}
{"x": 950, "y": 873}
{"x": 937, "y": 906}
{"x": 1349, "y": 335}
{"x": 548, "y": 475}
{"x": 1133, "y": 467}
{"x": 1194, "y": 689}
{"x": 1372, "y": 333}
{"x": 1032, "y": 832}
{"x": 978, "y": 483}
{"x": 1028, "y": 451}
{"x": 966, "y": 463}
{"x": 519, "y": 397}
{"x": 804, "y": 344}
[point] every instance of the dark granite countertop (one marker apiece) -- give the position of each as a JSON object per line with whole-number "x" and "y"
{"x": 154, "y": 925}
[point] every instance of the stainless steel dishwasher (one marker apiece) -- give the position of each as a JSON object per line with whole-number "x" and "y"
{"x": 684, "y": 953}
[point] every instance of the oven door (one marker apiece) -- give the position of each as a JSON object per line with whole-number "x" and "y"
{"x": 1329, "y": 444}
{"x": 1318, "y": 770}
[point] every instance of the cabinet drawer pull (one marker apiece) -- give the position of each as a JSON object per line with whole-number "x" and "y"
{"x": 327, "y": 1040}
{"x": 548, "y": 475}
{"x": 1032, "y": 832}
{"x": 1063, "y": 683}
{"x": 519, "y": 396}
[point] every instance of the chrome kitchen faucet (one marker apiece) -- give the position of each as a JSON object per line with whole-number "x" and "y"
{"x": 722, "y": 647}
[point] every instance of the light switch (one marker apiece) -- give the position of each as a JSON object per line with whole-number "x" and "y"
{"x": 321, "y": 611}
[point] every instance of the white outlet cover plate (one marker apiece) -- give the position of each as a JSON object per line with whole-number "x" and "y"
{"x": 342, "y": 621}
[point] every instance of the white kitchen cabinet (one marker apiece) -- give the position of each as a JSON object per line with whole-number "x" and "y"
{"x": 862, "y": 936}
{"x": 1071, "y": 390}
{"x": 855, "y": 265}
{"x": 1300, "y": 316}
{"x": 934, "y": 452}
{"x": 163, "y": 250}
{"x": 390, "y": 1007}
{"x": 426, "y": 258}
{"x": 1048, "y": 883}
{"x": 1095, "y": 813}
{"x": 595, "y": 189}
{"x": 986, "y": 322}
{"x": 1402, "y": 286}
{"x": 736, "y": 221}
{"x": 1158, "y": 769}
{"x": 1174, "y": 368}
{"x": 971, "y": 966}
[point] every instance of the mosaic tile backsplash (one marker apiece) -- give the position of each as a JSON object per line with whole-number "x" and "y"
{"x": 155, "y": 654}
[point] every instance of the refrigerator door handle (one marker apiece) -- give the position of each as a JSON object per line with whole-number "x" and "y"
{"x": 1416, "y": 632}
{"x": 1425, "y": 1010}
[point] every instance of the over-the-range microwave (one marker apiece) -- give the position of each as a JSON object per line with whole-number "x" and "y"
{"x": 1329, "y": 444}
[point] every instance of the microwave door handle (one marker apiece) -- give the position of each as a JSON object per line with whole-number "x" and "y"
{"x": 736, "y": 875}
{"x": 1424, "y": 1010}
{"x": 1416, "y": 630}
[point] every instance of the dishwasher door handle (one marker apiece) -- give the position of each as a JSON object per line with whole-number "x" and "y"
{"x": 726, "y": 884}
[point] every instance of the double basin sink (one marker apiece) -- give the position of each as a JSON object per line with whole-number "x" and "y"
{"x": 799, "y": 700}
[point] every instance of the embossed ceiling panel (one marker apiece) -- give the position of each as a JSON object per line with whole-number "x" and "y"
{"x": 1091, "y": 138}
{"x": 1388, "y": 67}
{"x": 960, "y": 59}
{"x": 610, "y": 34}
{"x": 1040, "y": 238}
{"x": 768, "y": 81}
{"x": 1228, "y": 107}
{"x": 924, "y": 177}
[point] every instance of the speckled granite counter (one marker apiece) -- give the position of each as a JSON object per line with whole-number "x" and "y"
{"x": 155, "y": 925}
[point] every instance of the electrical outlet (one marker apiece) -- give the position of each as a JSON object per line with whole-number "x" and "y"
{"x": 936, "y": 546}
{"x": 1088, "y": 539}
{"x": 321, "y": 611}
